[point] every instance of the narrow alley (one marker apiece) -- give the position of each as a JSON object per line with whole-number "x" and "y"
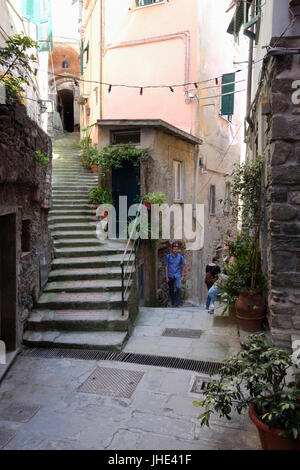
{"x": 150, "y": 228}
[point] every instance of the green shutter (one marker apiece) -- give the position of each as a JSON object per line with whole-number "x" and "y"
{"x": 30, "y": 10}
{"x": 45, "y": 26}
{"x": 227, "y": 107}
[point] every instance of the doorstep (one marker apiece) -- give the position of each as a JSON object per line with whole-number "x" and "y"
{"x": 10, "y": 358}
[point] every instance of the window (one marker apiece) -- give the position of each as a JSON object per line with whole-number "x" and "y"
{"x": 25, "y": 236}
{"x": 126, "y": 136}
{"x": 228, "y": 87}
{"x": 178, "y": 180}
{"x": 212, "y": 200}
{"x": 143, "y": 3}
{"x": 227, "y": 197}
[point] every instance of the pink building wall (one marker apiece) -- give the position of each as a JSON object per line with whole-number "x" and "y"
{"x": 149, "y": 46}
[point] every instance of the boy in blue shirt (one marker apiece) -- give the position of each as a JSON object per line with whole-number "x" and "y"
{"x": 174, "y": 270}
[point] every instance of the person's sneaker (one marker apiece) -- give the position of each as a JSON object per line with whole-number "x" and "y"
{"x": 211, "y": 311}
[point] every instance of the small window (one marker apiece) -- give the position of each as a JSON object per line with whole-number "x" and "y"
{"x": 25, "y": 236}
{"x": 65, "y": 64}
{"x": 143, "y": 3}
{"x": 178, "y": 180}
{"x": 212, "y": 200}
{"x": 227, "y": 197}
{"x": 126, "y": 136}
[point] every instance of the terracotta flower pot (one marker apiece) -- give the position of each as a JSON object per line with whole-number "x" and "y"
{"x": 95, "y": 168}
{"x": 269, "y": 437}
{"x": 250, "y": 310}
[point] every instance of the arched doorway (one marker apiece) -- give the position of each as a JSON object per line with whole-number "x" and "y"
{"x": 66, "y": 109}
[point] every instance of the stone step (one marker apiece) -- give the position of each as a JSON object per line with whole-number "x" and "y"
{"x": 82, "y": 206}
{"x": 77, "y": 251}
{"x": 72, "y": 218}
{"x": 106, "y": 340}
{"x": 70, "y": 197}
{"x": 60, "y": 212}
{"x": 57, "y": 235}
{"x": 78, "y": 242}
{"x": 98, "y": 285}
{"x": 71, "y": 227}
{"x": 60, "y": 186}
{"x": 78, "y": 320}
{"x": 109, "y": 246}
{"x": 75, "y": 242}
{"x": 80, "y": 301}
{"x": 71, "y": 192}
{"x": 88, "y": 262}
{"x": 69, "y": 274}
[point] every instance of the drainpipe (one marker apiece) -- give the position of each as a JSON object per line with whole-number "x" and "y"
{"x": 250, "y": 69}
{"x": 102, "y": 22}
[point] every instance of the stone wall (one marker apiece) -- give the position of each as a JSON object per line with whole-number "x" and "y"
{"x": 25, "y": 190}
{"x": 279, "y": 129}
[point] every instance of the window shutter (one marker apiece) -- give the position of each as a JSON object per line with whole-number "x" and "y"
{"x": 227, "y": 107}
{"x": 45, "y": 25}
{"x": 30, "y": 10}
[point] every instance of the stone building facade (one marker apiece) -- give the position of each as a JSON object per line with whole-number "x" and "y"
{"x": 167, "y": 145}
{"x": 274, "y": 131}
{"x": 25, "y": 197}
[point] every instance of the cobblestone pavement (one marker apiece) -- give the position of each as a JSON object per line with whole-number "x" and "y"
{"x": 58, "y": 404}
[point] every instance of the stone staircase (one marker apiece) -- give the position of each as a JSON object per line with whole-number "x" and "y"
{"x": 80, "y": 306}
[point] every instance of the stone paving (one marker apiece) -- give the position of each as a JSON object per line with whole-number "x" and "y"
{"x": 42, "y": 405}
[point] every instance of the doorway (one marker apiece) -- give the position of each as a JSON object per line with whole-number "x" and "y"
{"x": 66, "y": 109}
{"x": 125, "y": 182}
{"x": 8, "y": 281}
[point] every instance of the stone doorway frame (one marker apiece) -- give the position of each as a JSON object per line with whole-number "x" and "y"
{"x": 8, "y": 277}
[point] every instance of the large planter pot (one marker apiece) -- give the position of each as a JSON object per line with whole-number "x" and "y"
{"x": 269, "y": 437}
{"x": 95, "y": 168}
{"x": 250, "y": 311}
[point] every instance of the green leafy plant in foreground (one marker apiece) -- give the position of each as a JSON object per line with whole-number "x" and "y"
{"x": 100, "y": 196}
{"x": 41, "y": 158}
{"x": 256, "y": 375}
{"x": 15, "y": 63}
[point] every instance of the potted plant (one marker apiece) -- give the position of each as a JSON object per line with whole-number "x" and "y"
{"x": 100, "y": 196}
{"x": 76, "y": 127}
{"x": 244, "y": 283}
{"x": 93, "y": 158}
{"x": 156, "y": 197}
{"x": 256, "y": 379}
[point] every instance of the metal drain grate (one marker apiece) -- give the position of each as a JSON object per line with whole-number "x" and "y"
{"x": 200, "y": 384}
{"x": 6, "y": 435}
{"x": 181, "y": 333}
{"x": 205, "y": 367}
{"x": 18, "y": 412}
{"x": 112, "y": 382}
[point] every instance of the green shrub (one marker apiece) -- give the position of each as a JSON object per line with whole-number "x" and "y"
{"x": 100, "y": 196}
{"x": 156, "y": 197}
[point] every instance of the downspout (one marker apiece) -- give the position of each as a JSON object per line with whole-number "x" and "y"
{"x": 250, "y": 70}
{"x": 102, "y": 23}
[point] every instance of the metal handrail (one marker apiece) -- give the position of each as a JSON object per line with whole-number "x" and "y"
{"x": 124, "y": 268}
